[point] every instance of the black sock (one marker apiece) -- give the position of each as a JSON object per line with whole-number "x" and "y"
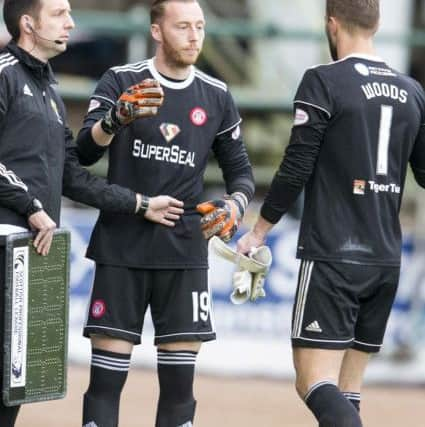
{"x": 176, "y": 405}
{"x": 354, "y": 398}
{"x": 8, "y": 414}
{"x": 330, "y": 407}
{"x": 107, "y": 377}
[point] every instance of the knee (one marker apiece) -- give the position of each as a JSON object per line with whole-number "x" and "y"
{"x": 194, "y": 346}
{"x": 301, "y": 386}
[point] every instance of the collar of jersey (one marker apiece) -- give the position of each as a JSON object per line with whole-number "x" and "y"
{"x": 42, "y": 70}
{"x": 168, "y": 83}
{"x": 362, "y": 56}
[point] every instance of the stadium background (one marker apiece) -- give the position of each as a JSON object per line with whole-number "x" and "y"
{"x": 261, "y": 48}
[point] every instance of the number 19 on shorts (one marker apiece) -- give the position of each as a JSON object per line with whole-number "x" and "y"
{"x": 201, "y": 306}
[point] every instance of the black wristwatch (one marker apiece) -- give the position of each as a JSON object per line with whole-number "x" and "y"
{"x": 34, "y": 207}
{"x": 144, "y": 206}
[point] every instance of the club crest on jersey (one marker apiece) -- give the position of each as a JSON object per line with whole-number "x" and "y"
{"x": 56, "y": 110}
{"x": 301, "y": 117}
{"x": 98, "y": 308}
{"x": 359, "y": 187}
{"x": 198, "y": 116}
{"x": 169, "y": 131}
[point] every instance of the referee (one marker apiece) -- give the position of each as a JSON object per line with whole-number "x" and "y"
{"x": 38, "y": 160}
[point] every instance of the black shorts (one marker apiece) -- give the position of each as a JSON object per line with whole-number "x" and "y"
{"x": 179, "y": 300}
{"x": 340, "y": 305}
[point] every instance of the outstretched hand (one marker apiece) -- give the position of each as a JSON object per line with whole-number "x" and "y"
{"x": 248, "y": 241}
{"x": 164, "y": 210}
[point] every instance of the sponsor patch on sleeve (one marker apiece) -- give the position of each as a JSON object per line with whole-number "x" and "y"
{"x": 236, "y": 133}
{"x": 301, "y": 117}
{"x": 94, "y": 103}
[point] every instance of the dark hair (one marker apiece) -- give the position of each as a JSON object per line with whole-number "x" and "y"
{"x": 13, "y": 11}
{"x": 363, "y": 14}
{"x": 158, "y": 8}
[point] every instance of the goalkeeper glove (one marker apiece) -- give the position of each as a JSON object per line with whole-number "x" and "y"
{"x": 140, "y": 100}
{"x": 221, "y": 217}
{"x": 251, "y": 270}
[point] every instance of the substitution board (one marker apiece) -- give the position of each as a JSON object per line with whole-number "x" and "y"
{"x": 36, "y": 319}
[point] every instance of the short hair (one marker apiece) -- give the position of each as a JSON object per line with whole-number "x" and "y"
{"x": 355, "y": 14}
{"x": 158, "y": 8}
{"x": 13, "y": 11}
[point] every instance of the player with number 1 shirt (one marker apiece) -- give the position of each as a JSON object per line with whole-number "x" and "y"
{"x": 358, "y": 123}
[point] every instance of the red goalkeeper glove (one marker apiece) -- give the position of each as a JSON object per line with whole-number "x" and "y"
{"x": 222, "y": 217}
{"x": 140, "y": 100}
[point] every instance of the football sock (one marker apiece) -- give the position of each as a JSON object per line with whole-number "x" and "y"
{"x": 8, "y": 414}
{"x": 330, "y": 407}
{"x": 176, "y": 405}
{"x": 107, "y": 378}
{"x": 354, "y": 398}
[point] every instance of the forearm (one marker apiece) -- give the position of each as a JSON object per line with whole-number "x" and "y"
{"x": 81, "y": 186}
{"x": 262, "y": 227}
{"x": 419, "y": 175}
{"x": 294, "y": 172}
{"x": 99, "y": 136}
{"x": 233, "y": 160}
{"x": 91, "y": 144}
{"x": 14, "y": 193}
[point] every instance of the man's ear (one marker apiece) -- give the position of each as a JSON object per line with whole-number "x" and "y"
{"x": 27, "y": 24}
{"x": 332, "y": 24}
{"x": 156, "y": 32}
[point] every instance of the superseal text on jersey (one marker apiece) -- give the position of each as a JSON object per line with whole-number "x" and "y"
{"x": 159, "y": 153}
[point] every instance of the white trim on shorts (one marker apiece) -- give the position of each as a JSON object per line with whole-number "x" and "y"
{"x": 185, "y": 333}
{"x": 306, "y": 269}
{"x": 319, "y": 340}
{"x": 113, "y": 329}
{"x": 367, "y": 344}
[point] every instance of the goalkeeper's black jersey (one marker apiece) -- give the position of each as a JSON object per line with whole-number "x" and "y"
{"x": 167, "y": 155}
{"x": 370, "y": 118}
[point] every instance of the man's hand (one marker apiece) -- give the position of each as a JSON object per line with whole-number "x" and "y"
{"x": 249, "y": 241}
{"x": 140, "y": 100}
{"x": 45, "y": 226}
{"x": 164, "y": 210}
{"x": 220, "y": 218}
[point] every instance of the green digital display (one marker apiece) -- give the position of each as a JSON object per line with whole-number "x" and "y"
{"x": 36, "y": 322}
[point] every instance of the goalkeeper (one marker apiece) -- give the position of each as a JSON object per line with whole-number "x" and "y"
{"x": 159, "y": 119}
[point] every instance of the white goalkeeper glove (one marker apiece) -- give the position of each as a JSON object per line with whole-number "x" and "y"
{"x": 249, "y": 278}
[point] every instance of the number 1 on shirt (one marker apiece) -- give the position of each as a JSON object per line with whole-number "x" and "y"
{"x": 384, "y": 139}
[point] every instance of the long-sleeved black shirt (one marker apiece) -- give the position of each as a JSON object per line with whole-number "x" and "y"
{"x": 166, "y": 154}
{"x": 38, "y": 157}
{"x": 358, "y": 124}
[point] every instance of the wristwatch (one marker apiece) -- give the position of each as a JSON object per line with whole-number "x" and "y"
{"x": 144, "y": 206}
{"x": 34, "y": 207}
